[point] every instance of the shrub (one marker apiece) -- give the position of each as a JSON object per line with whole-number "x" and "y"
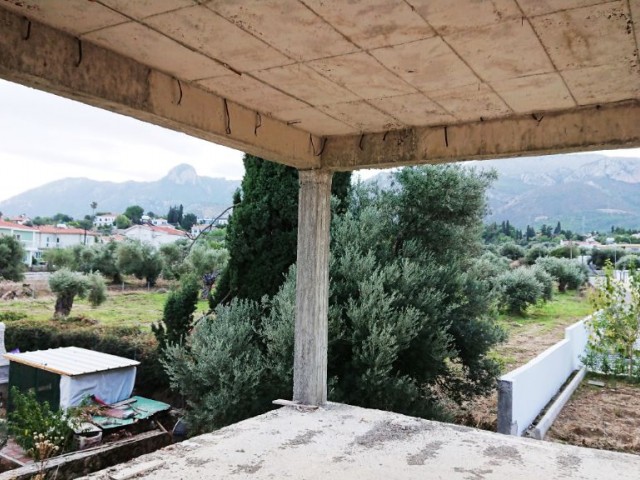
{"x": 11, "y": 254}
{"x": 177, "y": 318}
{"x": 512, "y": 251}
{"x": 629, "y": 261}
{"x": 565, "y": 251}
{"x": 520, "y": 289}
{"x": 221, "y": 373}
{"x": 31, "y": 419}
{"x": 546, "y": 281}
{"x": 536, "y": 251}
{"x": 568, "y": 273}
{"x": 615, "y": 327}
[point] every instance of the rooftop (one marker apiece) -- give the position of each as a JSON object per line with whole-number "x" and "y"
{"x": 71, "y": 361}
{"x": 345, "y": 442}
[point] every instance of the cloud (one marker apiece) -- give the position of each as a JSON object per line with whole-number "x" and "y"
{"x": 45, "y": 138}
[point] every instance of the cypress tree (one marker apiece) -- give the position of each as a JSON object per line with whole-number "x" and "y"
{"x": 263, "y": 229}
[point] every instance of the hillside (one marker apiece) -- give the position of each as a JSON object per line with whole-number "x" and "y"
{"x": 204, "y": 196}
{"x": 585, "y": 192}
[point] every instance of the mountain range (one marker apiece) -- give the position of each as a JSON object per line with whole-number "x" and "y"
{"x": 204, "y": 196}
{"x": 585, "y": 192}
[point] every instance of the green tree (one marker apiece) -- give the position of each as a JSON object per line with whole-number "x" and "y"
{"x": 520, "y": 289}
{"x": 11, "y": 256}
{"x": 134, "y": 213}
{"x": 66, "y": 285}
{"x": 615, "y": 327}
{"x": 93, "y": 206}
{"x": 141, "y": 260}
{"x": 122, "y": 222}
{"x": 177, "y": 317}
{"x": 262, "y": 231}
{"x": 411, "y": 311}
{"x": 188, "y": 221}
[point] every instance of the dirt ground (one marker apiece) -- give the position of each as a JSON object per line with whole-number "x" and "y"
{"x": 601, "y": 417}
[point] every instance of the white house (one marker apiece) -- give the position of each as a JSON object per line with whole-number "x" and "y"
{"x": 159, "y": 222}
{"x": 154, "y": 235}
{"x": 58, "y": 237}
{"x": 105, "y": 220}
{"x": 28, "y": 237}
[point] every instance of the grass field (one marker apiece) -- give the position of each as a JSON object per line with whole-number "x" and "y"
{"x": 136, "y": 308}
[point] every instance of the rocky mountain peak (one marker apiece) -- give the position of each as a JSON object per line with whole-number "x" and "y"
{"x": 182, "y": 174}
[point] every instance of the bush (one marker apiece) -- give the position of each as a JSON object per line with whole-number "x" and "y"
{"x": 11, "y": 254}
{"x": 177, "y": 318}
{"x": 546, "y": 281}
{"x": 599, "y": 257}
{"x": 520, "y": 289}
{"x": 512, "y": 251}
{"x": 222, "y": 373}
{"x": 569, "y": 274}
{"x": 629, "y": 261}
{"x": 565, "y": 251}
{"x": 31, "y": 420}
{"x": 536, "y": 251}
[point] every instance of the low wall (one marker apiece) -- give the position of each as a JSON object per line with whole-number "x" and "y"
{"x": 524, "y": 392}
{"x": 77, "y": 464}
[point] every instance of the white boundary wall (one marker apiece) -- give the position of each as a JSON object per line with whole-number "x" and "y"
{"x": 524, "y": 392}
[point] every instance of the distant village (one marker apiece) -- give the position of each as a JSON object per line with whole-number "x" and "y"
{"x": 62, "y": 231}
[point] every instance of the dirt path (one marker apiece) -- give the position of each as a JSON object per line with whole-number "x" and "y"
{"x": 601, "y": 417}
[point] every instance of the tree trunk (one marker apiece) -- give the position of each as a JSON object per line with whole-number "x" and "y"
{"x": 64, "y": 302}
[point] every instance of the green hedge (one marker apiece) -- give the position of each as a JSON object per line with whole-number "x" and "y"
{"x": 129, "y": 342}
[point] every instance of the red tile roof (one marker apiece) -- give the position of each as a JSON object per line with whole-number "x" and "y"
{"x": 63, "y": 231}
{"x": 15, "y": 226}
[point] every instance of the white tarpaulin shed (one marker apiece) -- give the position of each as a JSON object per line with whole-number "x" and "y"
{"x": 82, "y": 372}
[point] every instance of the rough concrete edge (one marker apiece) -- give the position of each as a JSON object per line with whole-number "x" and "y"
{"x": 505, "y": 407}
{"x": 556, "y": 407}
{"x": 126, "y": 453}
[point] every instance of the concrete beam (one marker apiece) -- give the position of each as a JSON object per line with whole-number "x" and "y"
{"x": 42, "y": 57}
{"x": 312, "y": 288}
{"x": 589, "y": 128}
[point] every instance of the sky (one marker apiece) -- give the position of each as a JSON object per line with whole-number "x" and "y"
{"x": 44, "y": 138}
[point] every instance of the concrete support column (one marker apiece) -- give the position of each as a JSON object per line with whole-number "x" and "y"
{"x": 312, "y": 290}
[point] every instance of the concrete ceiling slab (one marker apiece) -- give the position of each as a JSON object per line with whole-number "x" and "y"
{"x": 471, "y": 102}
{"x": 589, "y": 36}
{"x": 533, "y": 8}
{"x": 252, "y": 93}
{"x": 603, "y": 84}
{"x": 314, "y": 121}
{"x": 157, "y": 51}
{"x": 78, "y": 16}
{"x": 399, "y": 70}
{"x": 505, "y": 50}
{"x": 209, "y": 33}
{"x": 375, "y": 23}
{"x": 360, "y": 72}
{"x": 535, "y": 93}
{"x": 414, "y": 109}
{"x": 449, "y": 17}
{"x": 426, "y": 64}
{"x": 306, "y": 84}
{"x": 291, "y": 27}
{"x": 362, "y": 116}
{"x": 140, "y": 9}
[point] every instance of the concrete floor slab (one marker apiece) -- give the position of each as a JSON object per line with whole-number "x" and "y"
{"x": 345, "y": 442}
